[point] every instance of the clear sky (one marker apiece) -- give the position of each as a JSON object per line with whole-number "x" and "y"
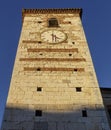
{"x": 96, "y": 20}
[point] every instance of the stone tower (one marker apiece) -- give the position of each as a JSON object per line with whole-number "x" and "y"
{"x": 53, "y": 85}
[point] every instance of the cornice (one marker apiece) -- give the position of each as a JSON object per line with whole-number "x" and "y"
{"x": 52, "y": 10}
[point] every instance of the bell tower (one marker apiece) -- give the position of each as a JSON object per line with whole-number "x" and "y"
{"x": 53, "y": 85}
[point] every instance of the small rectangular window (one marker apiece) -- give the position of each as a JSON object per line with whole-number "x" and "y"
{"x": 38, "y": 112}
{"x": 38, "y": 69}
{"x": 75, "y": 69}
{"x": 39, "y": 21}
{"x": 70, "y": 54}
{"x": 84, "y": 113}
{"x": 39, "y": 89}
{"x": 78, "y": 89}
{"x": 73, "y": 42}
{"x": 39, "y": 42}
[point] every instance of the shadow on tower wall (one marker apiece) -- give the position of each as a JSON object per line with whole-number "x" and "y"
{"x": 43, "y": 117}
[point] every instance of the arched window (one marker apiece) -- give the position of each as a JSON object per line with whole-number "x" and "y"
{"x": 53, "y": 22}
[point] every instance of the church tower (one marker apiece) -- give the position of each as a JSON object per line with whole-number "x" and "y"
{"x": 53, "y": 85}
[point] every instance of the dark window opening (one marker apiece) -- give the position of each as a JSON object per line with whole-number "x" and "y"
{"x": 39, "y": 21}
{"x": 53, "y": 22}
{"x": 69, "y": 22}
{"x": 73, "y": 42}
{"x": 75, "y": 69}
{"x": 84, "y": 113}
{"x": 39, "y": 89}
{"x": 78, "y": 89}
{"x": 39, "y": 42}
{"x": 38, "y": 112}
{"x": 70, "y": 54}
{"x": 38, "y": 69}
{"x": 41, "y": 54}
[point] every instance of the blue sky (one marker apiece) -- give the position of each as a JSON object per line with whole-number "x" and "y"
{"x": 96, "y": 20}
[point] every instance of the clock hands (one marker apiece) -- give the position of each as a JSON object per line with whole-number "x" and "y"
{"x": 54, "y": 37}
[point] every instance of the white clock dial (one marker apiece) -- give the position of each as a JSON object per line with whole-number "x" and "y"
{"x": 53, "y": 36}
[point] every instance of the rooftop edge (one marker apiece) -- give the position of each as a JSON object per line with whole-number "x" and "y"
{"x": 52, "y": 10}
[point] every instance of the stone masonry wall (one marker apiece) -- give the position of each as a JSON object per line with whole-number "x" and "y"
{"x": 58, "y": 71}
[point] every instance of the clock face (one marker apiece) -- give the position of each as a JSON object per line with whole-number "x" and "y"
{"x": 53, "y": 36}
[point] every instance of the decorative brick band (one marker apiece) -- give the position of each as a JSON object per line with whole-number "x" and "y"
{"x": 66, "y": 22}
{"x": 53, "y": 59}
{"x": 53, "y": 10}
{"x": 53, "y": 69}
{"x": 52, "y": 50}
{"x": 35, "y": 41}
{"x": 30, "y": 41}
